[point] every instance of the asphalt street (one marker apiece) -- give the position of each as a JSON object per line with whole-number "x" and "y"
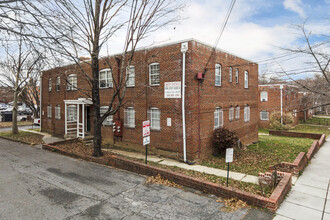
{"x": 38, "y": 184}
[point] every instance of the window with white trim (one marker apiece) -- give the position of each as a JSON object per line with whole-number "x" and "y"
{"x": 49, "y": 84}
{"x": 246, "y": 113}
{"x": 294, "y": 113}
{"x": 105, "y": 78}
{"x": 154, "y": 74}
{"x": 108, "y": 120}
{"x": 230, "y": 74}
{"x": 236, "y": 75}
{"x": 72, "y": 82}
{"x": 218, "y": 117}
{"x": 231, "y": 113}
{"x": 154, "y": 117}
{"x": 57, "y": 112}
{"x": 130, "y": 76}
{"x": 71, "y": 113}
{"x": 58, "y": 83}
{"x": 49, "y": 111}
{"x": 246, "y": 79}
{"x": 264, "y": 96}
{"x": 129, "y": 118}
{"x": 237, "y": 109}
{"x": 217, "y": 73}
{"x": 264, "y": 116}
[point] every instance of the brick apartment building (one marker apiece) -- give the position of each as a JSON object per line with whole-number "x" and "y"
{"x": 225, "y": 96}
{"x": 283, "y": 98}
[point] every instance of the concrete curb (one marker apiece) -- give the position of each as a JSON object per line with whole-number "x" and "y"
{"x": 19, "y": 141}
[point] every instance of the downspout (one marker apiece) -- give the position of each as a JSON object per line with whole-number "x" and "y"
{"x": 40, "y": 102}
{"x": 281, "y": 88}
{"x": 184, "y": 48}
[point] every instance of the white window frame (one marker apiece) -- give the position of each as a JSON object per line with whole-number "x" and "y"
{"x": 263, "y": 96}
{"x": 58, "y": 83}
{"x": 72, "y": 82}
{"x": 230, "y": 74}
{"x": 108, "y": 120}
{"x": 217, "y": 74}
{"x": 237, "y": 75}
{"x": 71, "y": 113}
{"x": 231, "y": 113}
{"x": 264, "y": 115}
{"x": 129, "y": 117}
{"x": 107, "y": 80}
{"x": 154, "y": 117}
{"x": 246, "y": 79}
{"x": 49, "y": 111}
{"x": 57, "y": 112}
{"x": 130, "y": 76}
{"x": 218, "y": 118}
{"x": 237, "y": 112}
{"x": 49, "y": 84}
{"x": 154, "y": 73}
{"x": 294, "y": 112}
{"x": 246, "y": 113}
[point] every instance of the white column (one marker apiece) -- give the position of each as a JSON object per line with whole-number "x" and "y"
{"x": 77, "y": 120}
{"x": 281, "y": 88}
{"x": 83, "y": 120}
{"x": 184, "y": 48}
{"x": 65, "y": 118}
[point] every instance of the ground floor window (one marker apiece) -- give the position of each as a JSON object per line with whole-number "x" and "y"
{"x": 72, "y": 113}
{"x": 49, "y": 111}
{"x": 231, "y": 113}
{"x": 154, "y": 117}
{"x": 218, "y": 117}
{"x": 237, "y": 112}
{"x": 129, "y": 120}
{"x": 264, "y": 116}
{"x": 58, "y": 112}
{"x": 246, "y": 113}
{"x": 109, "y": 119}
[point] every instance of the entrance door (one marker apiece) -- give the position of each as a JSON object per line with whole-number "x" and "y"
{"x": 88, "y": 119}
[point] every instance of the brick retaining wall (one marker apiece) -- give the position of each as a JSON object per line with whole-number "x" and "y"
{"x": 295, "y": 134}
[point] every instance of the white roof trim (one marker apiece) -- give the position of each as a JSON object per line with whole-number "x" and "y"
{"x": 79, "y": 101}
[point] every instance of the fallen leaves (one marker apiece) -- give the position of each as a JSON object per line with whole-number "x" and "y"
{"x": 160, "y": 180}
{"x": 233, "y": 204}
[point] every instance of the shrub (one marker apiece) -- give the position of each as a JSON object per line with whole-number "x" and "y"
{"x": 275, "y": 121}
{"x": 223, "y": 139}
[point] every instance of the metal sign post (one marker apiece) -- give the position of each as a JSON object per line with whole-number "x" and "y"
{"x": 229, "y": 159}
{"x": 146, "y": 136}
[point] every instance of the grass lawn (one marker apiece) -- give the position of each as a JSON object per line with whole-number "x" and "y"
{"x": 9, "y": 123}
{"x": 263, "y": 130}
{"x": 270, "y": 150}
{"x": 311, "y": 129}
{"x": 24, "y": 136}
{"x": 318, "y": 121}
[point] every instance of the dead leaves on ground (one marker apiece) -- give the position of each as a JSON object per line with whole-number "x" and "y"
{"x": 232, "y": 204}
{"x": 160, "y": 180}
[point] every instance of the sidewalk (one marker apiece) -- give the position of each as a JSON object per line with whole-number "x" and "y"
{"x": 308, "y": 198}
{"x": 47, "y": 138}
{"x": 198, "y": 168}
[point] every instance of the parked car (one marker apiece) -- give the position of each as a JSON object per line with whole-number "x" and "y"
{"x": 36, "y": 121}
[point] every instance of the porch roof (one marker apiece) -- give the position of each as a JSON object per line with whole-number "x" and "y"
{"x": 79, "y": 101}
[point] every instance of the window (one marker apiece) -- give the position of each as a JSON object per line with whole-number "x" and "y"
{"x": 237, "y": 112}
{"x": 236, "y": 75}
{"x": 58, "y": 83}
{"x": 109, "y": 119}
{"x": 154, "y": 117}
{"x": 49, "y": 84}
{"x": 264, "y": 96}
{"x": 154, "y": 77}
{"x": 246, "y": 79}
{"x": 129, "y": 120}
{"x": 264, "y": 116}
{"x": 217, "y": 81}
{"x": 131, "y": 76}
{"x": 105, "y": 79}
{"x": 231, "y": 113}
{"x": 58, "y": 112}
{"x": 294, "y": 113}
{"x": 246, "y": 113}
{"x": 72, "y": 82}
{"x": 230, "y": 74}
{"x": 49, "y": 111}
{"x": 218, "y": 118}
{"x": 72, "y": 113}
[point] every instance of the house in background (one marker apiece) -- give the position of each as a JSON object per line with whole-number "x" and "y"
{"x": 225, "y": 95}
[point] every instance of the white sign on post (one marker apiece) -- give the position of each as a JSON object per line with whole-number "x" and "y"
{"x": 146, "y": 128}
{"x": 146, "y": 140}
{"x": 172, "y": 90}
{"x": 229, "y": 155}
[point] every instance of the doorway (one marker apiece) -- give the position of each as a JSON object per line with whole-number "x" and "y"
{"x": 88, "y": 119}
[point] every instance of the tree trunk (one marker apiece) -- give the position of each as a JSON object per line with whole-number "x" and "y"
{"x": 14, "y": 116}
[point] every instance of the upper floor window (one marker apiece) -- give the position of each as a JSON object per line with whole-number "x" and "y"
{"x": 58, "y": 83}
{"x": 264, "y": 115}
{"x": 294, "y": 113}
{"x": 264, "y": 96}
{"x": 236, "y": 75}
{"x": 109, "y": 119}
{"x": 105, "y": 79}
{"x": 72, "y": 82}
{"x": 237, "y": 112}
{"x": 154, "y": 75}
{"x": 230, "y": 74}
{"x": 246, "y": 113}
{"x": 58, "y": 112}
{"x": 246, "y": 79}
{"x": 50, "y": 84}
{"x": 72, "y": 113}
{"x": 130, "y": 76}
{"x": 231, "y": 113}
{"x": 154, "y": 117}
{"x": 218, "y": 117}
{"x": 129, "y": 118}
{"x": 217, "y": 72}
{"x": 49, "y": 111}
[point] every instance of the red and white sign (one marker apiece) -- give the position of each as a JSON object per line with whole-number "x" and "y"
{"x": 146, "y": 128}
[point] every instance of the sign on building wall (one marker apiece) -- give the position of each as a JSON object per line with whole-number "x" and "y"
{"x": 172, "y": 90}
